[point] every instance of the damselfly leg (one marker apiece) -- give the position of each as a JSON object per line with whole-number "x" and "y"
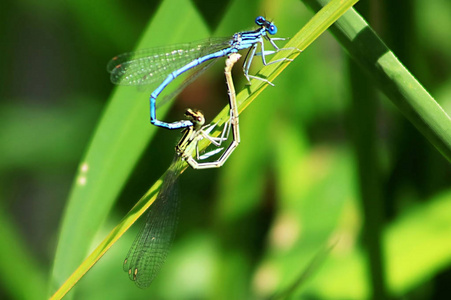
{"x": 189, "y": 144}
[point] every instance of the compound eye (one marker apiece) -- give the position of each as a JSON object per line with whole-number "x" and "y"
{"x": 201, "y": 120}
{"x": 260, "y": 21}
{"x": 272, "y": 29}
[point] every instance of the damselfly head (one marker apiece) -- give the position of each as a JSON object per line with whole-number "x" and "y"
{"x": 260, "y": 21}
{"x": 196, "y": 117}
{"x": 269, "y": 26}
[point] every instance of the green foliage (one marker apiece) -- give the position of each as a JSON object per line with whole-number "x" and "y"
{"x": 323, "y": 164}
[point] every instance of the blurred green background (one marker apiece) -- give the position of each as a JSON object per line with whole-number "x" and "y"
{"x": 286, "y": 207}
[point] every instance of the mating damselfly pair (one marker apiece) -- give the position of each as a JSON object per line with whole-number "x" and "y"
{"x": 164, "y": 65}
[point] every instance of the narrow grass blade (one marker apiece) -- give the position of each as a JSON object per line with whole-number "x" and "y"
{"x": 390, "y": 75}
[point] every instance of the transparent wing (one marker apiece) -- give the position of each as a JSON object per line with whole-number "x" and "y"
{"x": 149, "y": 65}
{"x": 151, "y": 246}
{"x": 194, "y": 74}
